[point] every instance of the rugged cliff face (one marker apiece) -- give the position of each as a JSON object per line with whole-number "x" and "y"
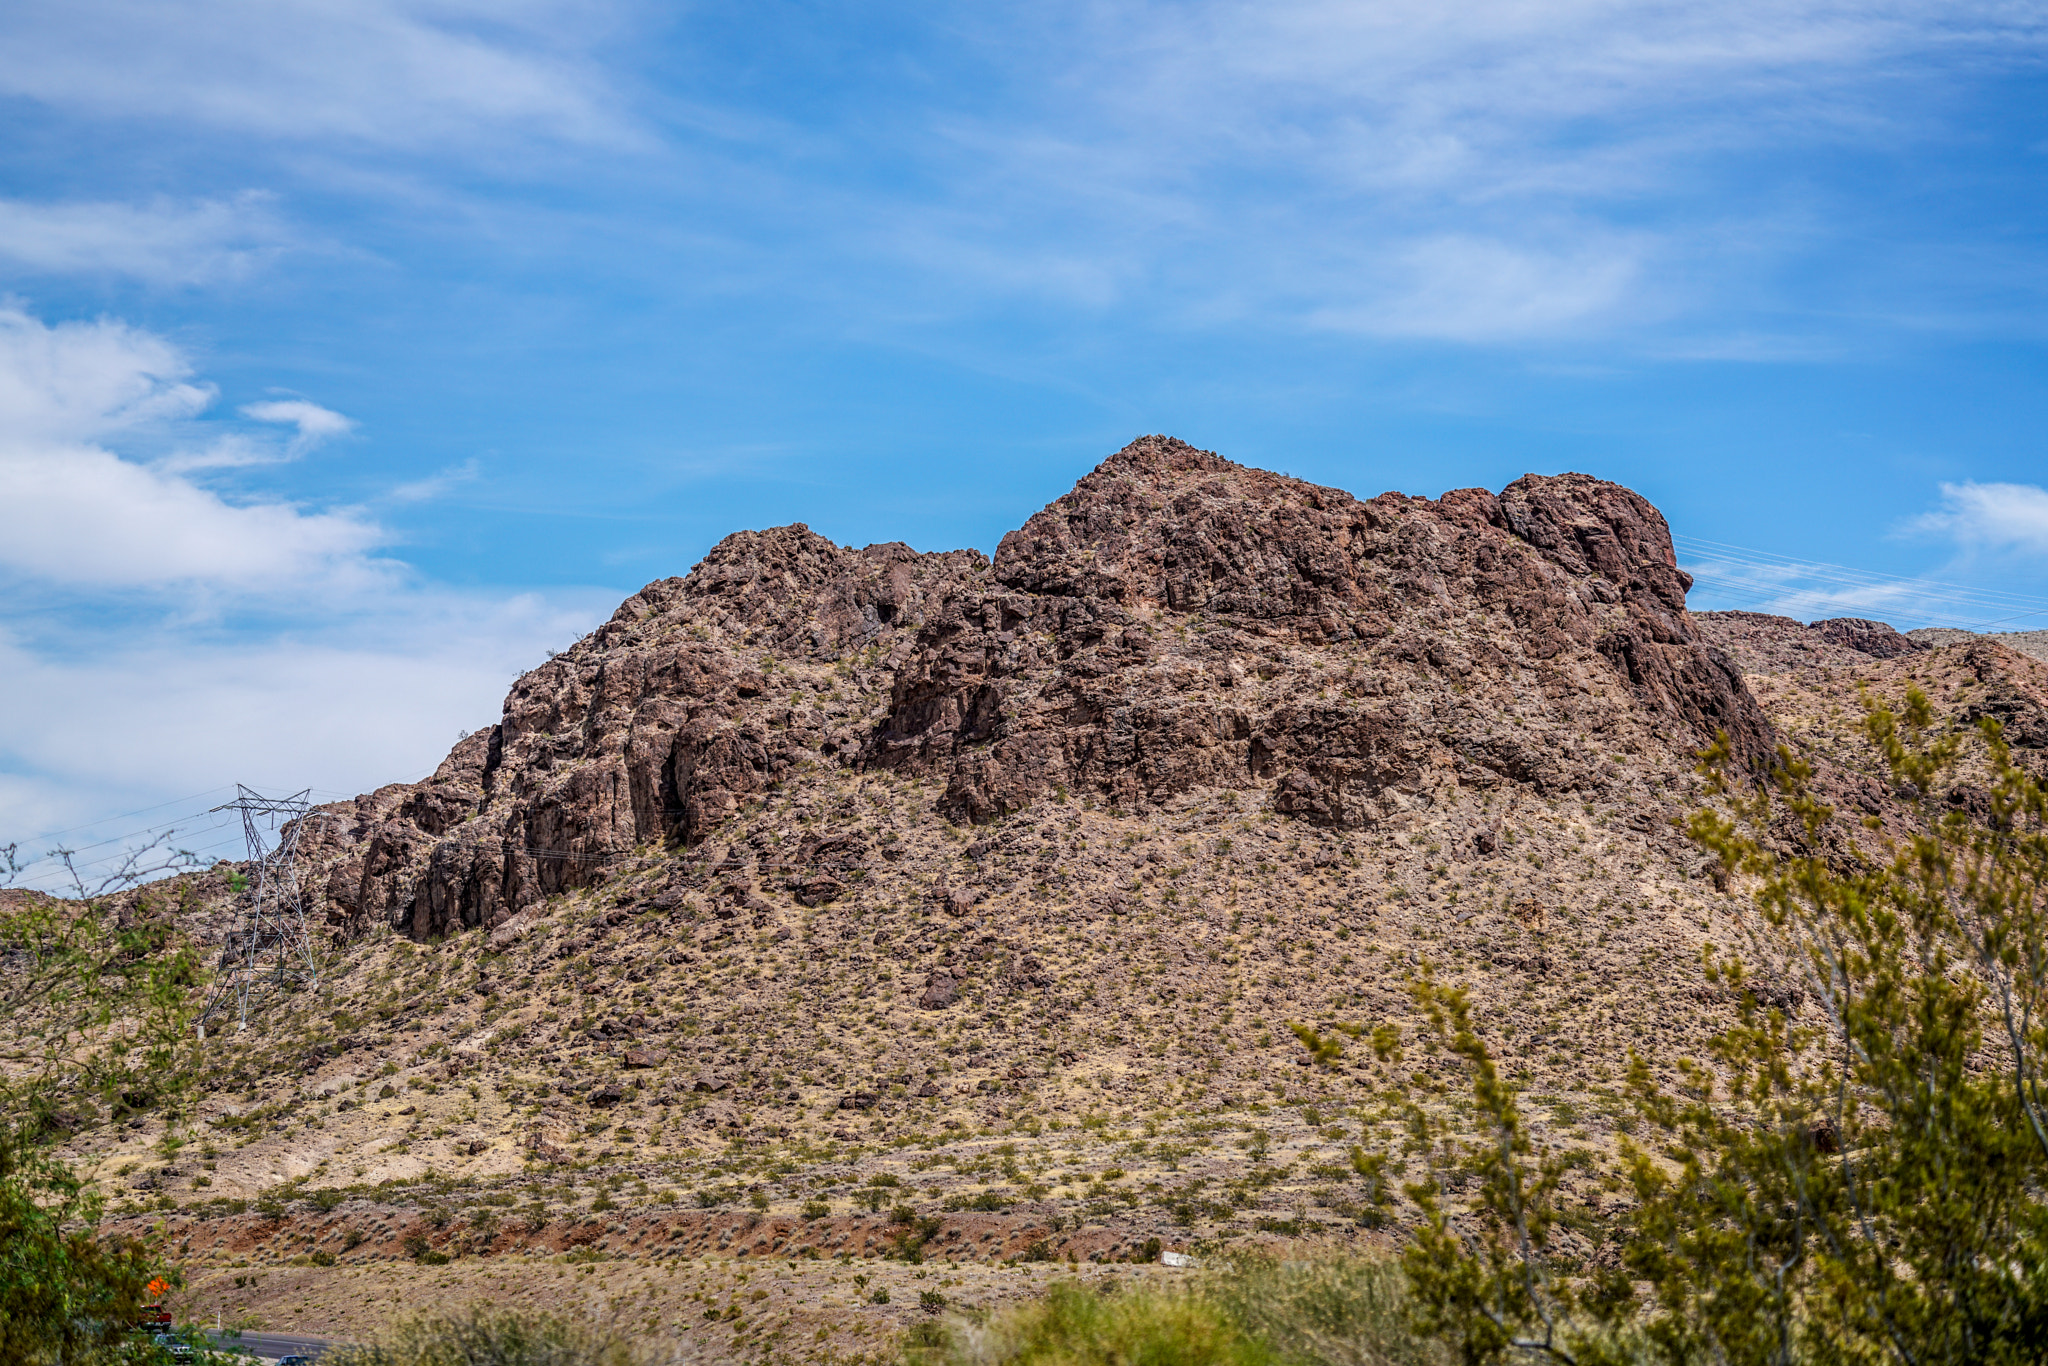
{"x": 1176, "y": 622}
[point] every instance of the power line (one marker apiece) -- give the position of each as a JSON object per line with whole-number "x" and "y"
{"x": 175, "y": 801}
{"x": 1749, "y": 557}
{"x": 1785, "y": 580}
{"x": 167, "y": 828}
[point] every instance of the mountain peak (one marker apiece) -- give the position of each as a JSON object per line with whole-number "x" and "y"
{"x": 1176, "y": 622}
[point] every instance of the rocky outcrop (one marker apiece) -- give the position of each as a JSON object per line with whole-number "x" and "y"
{"x": 1873, "y": 638}
{"x": 1761, "y": 642}
{"x": 1178, "y": 621}
{"x": 1174, "y": 622}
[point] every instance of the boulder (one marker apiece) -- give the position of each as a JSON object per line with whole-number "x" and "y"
{"x": 817, "y": 891}
{"x": 940, "y": 991}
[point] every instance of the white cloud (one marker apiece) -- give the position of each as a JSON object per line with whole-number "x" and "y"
{"x": 388, "y": 72}
{"x": 228, "y": 451}
{"x": 159, "y": 677}
{"x": 75, "y": 514}
{"x": 315, "y": 424}
{"x": 112, "y": 724}
{"x": 163, "y": 242}
{"x": 77, "y": 381}
{"x": 311, "y": 424}
{"x": 80, "y": 516}
{"x": 1996, "y": 517}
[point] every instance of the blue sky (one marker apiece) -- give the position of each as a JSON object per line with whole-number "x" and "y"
{"x": 353, "y": 355}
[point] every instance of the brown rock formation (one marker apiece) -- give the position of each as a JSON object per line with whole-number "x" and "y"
{"x": 1760, "y": 641}
{"x": 1174, "y": 622}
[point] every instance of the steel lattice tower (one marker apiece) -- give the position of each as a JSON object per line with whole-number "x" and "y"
{"x": 273, "y": 950}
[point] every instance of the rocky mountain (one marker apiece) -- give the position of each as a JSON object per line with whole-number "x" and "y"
{"x": 1175, "y": 624}
{"x": 822, "y": 881}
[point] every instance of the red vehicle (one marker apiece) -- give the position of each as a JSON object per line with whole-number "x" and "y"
{"x": 154, "y": 1321}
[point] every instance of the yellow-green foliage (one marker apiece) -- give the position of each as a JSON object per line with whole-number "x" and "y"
{"x": 489, "y": 1337}
{"x": 1250, "y": 1311}
{"x": 1324, "y": 1311}
{"x": 1076, "y": 1326}
{"x": 1322, "y": 1050}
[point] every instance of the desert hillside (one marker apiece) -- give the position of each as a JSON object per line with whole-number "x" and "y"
{"x": 859, "y": 901}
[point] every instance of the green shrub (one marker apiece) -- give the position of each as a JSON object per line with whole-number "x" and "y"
{"x": 1341, "y": 1311}
{"x": 1073, "y": 1326}
{"x": 488, "y": 1337}
{"x": 63, "y": 1291}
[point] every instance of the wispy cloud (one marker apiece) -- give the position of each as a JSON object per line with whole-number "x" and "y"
{"x": 1496, "y": 173}
{"x": 393, "y": 73}
{"x": 1460, "y": 288}
{"x": 434, "y": 485}
{"x": 313, "y": 424}
{"x": 1991, "y": 517}
{"x": 162, "y": 241}
{"x": 1491, "y": 173}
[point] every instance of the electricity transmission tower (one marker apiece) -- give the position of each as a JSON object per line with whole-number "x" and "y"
{"x": 270, "y": 950}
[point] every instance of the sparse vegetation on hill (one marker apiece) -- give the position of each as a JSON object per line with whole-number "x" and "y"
{"x": 1866, "y": 1180}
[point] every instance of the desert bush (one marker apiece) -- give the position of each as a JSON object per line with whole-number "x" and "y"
{"x": 488, "y": 1337}
{"x": 1329, "y": 1311}
{"x": 1074, "y": 1326}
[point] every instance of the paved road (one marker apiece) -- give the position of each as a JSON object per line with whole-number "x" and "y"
{"x": 271, "y": 1346}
